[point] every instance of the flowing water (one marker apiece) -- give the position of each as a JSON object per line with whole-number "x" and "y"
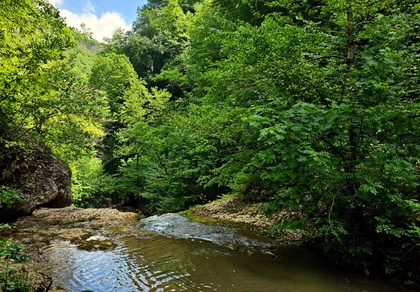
{"x": 164, "y": 263}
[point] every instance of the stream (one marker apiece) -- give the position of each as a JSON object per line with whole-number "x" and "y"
{"x": 170, "y": 253}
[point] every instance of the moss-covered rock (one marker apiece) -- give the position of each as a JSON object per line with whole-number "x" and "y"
{"x": 97, "y": 244}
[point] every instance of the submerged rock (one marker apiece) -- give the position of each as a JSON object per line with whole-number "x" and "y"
{"x": 89, "y": 229}
{"x": 40, "y": 180}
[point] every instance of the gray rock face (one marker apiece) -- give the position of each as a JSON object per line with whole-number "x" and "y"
{"x": 40, "y": 180}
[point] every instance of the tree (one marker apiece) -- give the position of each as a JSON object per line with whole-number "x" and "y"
{"x": 29, "y": 46}
{"x": 129, "y": 100}
{"x": 171, "y": 164}
{"x": 43, "y": 101}
{"x": 46, "y": 102}
{"x": 331, "y": 96}
{"x": 158, "y": 35}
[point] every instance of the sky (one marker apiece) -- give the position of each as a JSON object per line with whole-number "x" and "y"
{"x": 102, "y": 17}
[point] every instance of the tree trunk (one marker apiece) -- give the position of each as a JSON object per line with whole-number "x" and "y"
{"x": 352, "y": 152}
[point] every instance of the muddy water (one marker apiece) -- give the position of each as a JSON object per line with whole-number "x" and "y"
{"x": 160, "y": 263}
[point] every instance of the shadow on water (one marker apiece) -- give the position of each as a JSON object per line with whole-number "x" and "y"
{"x": 160, "y": 263}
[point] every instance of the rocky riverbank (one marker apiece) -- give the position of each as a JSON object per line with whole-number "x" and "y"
{"x": 236, "y": 212}
{"x": 97, "y": 228}
{"x": 88, "y": 228}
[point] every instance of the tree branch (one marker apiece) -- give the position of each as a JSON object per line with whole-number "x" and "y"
{"x": 333, "y": 148}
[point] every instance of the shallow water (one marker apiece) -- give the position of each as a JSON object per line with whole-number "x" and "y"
{"x": 160, "y": 263}
{"x": 175, "y": 225}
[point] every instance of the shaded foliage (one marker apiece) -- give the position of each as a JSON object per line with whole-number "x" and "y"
{"x": 309, "y": 105}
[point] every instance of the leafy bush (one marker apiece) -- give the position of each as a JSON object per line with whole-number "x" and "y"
{"x": 11, "y": 279}
{"x": 90, "y": 186}
{"x": 7, "y": 196}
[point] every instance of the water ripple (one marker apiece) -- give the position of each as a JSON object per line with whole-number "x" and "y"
{"x": 166, "y": 264}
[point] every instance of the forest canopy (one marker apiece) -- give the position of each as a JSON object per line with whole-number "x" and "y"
{"x": 306, "y": 105}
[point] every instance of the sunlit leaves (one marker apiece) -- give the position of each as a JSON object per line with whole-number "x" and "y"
{"x": 269, "y": 102}
{"x": 332, "y": 139}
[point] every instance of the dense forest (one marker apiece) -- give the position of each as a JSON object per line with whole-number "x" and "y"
{"x": 306, "y": 105}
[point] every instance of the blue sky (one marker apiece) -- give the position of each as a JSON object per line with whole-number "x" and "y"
{"x": 126, "y": 7}
{"x": 102, "y": 17}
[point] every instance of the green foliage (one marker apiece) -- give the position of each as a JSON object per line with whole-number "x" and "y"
{"x": 158, "y": 36}
{"x": 8, "y": 196}
{"x": 171, "y": 164}
{"x": 326, "y": 134}
{"x": 12, "y": 251}
{"x": 74, "y": 116}
{"x": 90, "y": 186}
{"x": 44, "y": 100}
{"x": 10, "y": 278}
{"x": 269, "y": 103}
{"x": 112, "y": 74}
{"x": 309, "y": 105}
{"x": 29, "y": 47}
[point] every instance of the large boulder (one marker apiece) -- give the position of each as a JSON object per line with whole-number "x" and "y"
{"x": 39, "y": 178}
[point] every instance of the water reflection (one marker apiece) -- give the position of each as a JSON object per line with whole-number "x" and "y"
{"x": 166, "y": 264}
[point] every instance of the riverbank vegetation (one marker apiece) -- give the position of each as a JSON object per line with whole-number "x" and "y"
{"x": 307, "y": 105}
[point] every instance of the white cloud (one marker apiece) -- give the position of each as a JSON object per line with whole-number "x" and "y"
{"x": 55, "y": 2}
{"x": 89, "y": 8}
{"x": 101, "y": 27}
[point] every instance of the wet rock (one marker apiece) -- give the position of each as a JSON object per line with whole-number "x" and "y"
{"x": 97, "y": 244}
{"x": 234, "y": 211}
{"x": 40, "y": 281}
{"x": 92, "y": 229}
{"x": 175, "y": 225}
{"x": 40, "y": 180}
